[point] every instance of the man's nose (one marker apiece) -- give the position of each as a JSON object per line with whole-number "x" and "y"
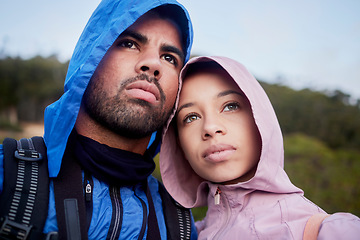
{"x": 150, "y": 64}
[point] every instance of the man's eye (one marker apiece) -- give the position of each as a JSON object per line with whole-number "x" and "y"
{"x": 191, "y": 118}
{"x": 127, "y": 44}
{"x": 171, "y": 59}
{"x": 231, "y": 107}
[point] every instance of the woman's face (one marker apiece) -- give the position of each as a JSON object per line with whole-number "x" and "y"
{"x": 216, "y": 127}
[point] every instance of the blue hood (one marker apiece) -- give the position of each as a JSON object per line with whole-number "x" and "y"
{"x": 107, "y": 22}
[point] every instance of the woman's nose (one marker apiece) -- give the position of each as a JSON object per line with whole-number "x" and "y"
{"x": 213, "y": 127}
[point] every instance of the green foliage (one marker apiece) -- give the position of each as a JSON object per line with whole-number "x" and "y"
{"x": 199, "y": 213}
{"x": 156, "y": 172}
{"x": 30, "y": 85}
{"x": 7, "y": 126}
{"x": 329, "y": 118}
{"x": 328, "y": 177}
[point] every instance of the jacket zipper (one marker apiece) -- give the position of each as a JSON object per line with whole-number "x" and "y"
{"x": 117, "y": 214}
{"x": 227, "y": 212}
{"x": 88, "y": 184}
{"x": 217, "y": 196}
{"x": 88, "y": 192}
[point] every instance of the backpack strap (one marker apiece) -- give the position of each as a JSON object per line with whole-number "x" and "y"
{"x": 25, "y": 193}
{"x": 312, "y": 226}
{"x": 153, "y": 226}
{"x": 177, "y": 217}
{"x": 70, "y": 200}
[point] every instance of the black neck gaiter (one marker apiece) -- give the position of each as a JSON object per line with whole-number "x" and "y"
{"x": 111, "y": 165}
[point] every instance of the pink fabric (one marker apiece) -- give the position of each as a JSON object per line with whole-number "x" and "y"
{"x": 268, "y": 206}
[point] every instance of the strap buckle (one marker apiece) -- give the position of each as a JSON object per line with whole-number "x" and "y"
{"x": 13, "y": 230}
{"x": 28, "y": 155}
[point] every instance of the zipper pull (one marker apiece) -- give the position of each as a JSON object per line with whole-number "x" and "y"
{"x": 88, "y": 192}
{"x": 217, "y": 196}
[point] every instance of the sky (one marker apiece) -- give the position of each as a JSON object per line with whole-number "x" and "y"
{"x": 302, "y": 44}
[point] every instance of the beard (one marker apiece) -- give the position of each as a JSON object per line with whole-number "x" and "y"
{"x": 130, "y": 118}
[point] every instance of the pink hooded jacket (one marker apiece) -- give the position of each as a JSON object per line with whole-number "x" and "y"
{"x": 268, "y": 206}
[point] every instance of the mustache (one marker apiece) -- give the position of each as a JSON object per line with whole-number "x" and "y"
{"x": 141, "y": 76}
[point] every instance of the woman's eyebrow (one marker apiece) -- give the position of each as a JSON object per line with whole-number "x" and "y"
{"x": 221, "y": 94}
{"x": 186, "y": 105}
{"x": 228, "y": 92}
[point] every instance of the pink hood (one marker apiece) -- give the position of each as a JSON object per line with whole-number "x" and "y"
{"x": 188, "y": 188}
{"x": 268, "y": 206}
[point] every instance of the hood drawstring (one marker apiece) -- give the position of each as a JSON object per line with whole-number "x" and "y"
{"x": 217, "y": 196}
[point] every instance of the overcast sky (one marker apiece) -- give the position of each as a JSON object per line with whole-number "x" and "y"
{"x": 307, "y": 43}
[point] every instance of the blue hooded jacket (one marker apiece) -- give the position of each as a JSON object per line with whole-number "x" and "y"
{"x": 107, "y": 22}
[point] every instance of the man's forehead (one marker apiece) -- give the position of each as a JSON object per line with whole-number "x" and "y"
{"x": 139, "y": 30}
{"x": 154, "y": 14}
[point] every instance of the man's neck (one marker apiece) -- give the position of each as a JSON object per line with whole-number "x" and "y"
{"x": 87, "y": 127}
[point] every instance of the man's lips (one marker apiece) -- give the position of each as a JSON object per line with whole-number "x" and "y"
{"x": 143, "y": 90}
{"x": 218, "y": 152}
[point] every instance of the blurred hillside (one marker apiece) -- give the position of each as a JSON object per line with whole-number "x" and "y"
{"x": 328, "y": 117}
{"x": 321, "y": 130}
{"x": 28, "y": 86}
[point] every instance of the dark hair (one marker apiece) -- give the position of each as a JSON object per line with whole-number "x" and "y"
{"x": 204, "y": 66}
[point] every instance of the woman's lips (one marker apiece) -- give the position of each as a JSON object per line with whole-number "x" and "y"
{"x": 218, "y": 153}
{"x": 143, "y": 90}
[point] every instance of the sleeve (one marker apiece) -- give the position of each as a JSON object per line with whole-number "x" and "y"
{"x": 1, "y": 167}
{"x": 343, "y": 226}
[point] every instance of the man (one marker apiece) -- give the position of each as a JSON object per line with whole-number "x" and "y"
{"x": 120, "y": 88}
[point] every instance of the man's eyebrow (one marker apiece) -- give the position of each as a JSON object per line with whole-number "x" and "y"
{"x": 173, "y": 49}
{"x": 138, "y": 36}
{"x": 228, "y": 92}
{"x": 143, "y": 39}
{"x": 186, "y": 105}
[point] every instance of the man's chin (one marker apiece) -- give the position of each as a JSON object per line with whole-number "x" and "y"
{"x": 138, "y": 103}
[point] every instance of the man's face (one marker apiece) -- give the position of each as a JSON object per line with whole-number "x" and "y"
{"x": 133, "y": 89}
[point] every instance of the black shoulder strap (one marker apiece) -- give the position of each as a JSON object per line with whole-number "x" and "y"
{"x": 153, "y": 226}
{"x": 70, "y": 200}
{"x": 177, "y": 217}
{"x": 25, "y": 196}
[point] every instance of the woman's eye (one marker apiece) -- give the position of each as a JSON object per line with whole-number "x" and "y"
{"x": 171, "y": 59}
{"x": 191, "y": 118}
{"x": 231, "y": 107}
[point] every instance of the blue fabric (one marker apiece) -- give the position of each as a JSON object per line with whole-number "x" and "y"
{"x": 102, "y": 209}
{"x": 132, "y": 218}
{"x": 107, "y": 22}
